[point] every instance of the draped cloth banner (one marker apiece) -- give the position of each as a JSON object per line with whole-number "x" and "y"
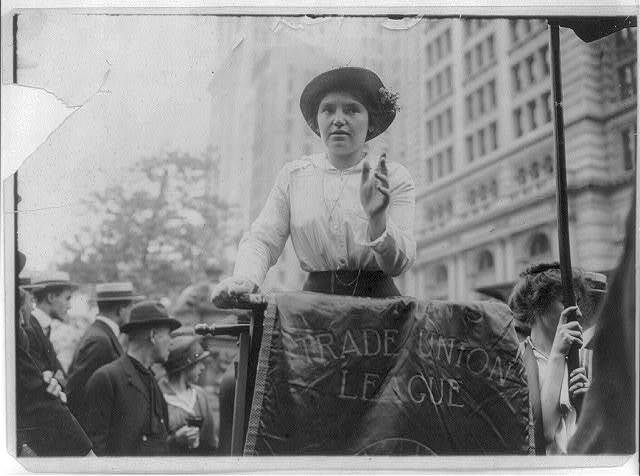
{"x": 344, "y": 376}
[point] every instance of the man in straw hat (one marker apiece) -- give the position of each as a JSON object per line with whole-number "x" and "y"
{"x": 126, "y": 412}
{"x": 99, "y": 345}
{"x": 52, "y": 293}
{"x": 45, "y": 426}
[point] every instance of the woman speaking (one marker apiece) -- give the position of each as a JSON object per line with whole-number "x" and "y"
{"x": 350, "y": 221}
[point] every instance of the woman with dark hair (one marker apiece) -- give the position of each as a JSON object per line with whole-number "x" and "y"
{"x": 536, "y": 300}
{"x": 351, "y": 225}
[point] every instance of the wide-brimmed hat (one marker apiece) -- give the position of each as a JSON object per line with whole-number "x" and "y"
{"x": 148, "y": 314}
{"x": 116, "y": 291}
{"x": 184, "y": 351}
{"x": 50, "y": 280}
{"x": 381, "y": 104}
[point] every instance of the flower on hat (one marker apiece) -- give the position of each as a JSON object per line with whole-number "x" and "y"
{"x": 388, "y": 100}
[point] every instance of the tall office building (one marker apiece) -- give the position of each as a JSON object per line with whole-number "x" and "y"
{"x": 486, "y": 194}
{"x": 475, "y": 130}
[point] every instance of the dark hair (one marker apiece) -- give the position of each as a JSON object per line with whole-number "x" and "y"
{"x": 539, "y": 285}
{"x": 112, "y": 307}
{"x": 377, "y": 108}
{"x": 40, "y": 294}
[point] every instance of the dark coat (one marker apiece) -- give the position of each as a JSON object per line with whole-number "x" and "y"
{"x": 98, "y": 346}
{"x": 44, "y": 424}
{"x": 122, "y": 419}
{"x": 41, "y": 348}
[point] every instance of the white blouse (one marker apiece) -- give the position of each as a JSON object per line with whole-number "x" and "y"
{"x": 319, "y": 206}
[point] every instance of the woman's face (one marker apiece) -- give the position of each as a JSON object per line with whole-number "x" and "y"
{"x": 193, "y": 374}
{"x": 343, "y": 122}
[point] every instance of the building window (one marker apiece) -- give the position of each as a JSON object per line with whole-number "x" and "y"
{"x": 467, "y": 63}
{"x": 439, "y": 165}
{"x": 447, "y": 41}
{"x": 515, "y": 77}
{"x": 485, "y": 261}
{"x": 449, "y": 121}
{"x": 628, "y": 148}
{"x": 438, "y": 48}
{"x": 493, "y": 133}
{"x": 481, "y": 105}
{"x": 429, "y": 91}
{"x": 539, "y": 245}
{"x": 546, "y": 105}
{"x": 448, "y": 80}
{"x": 481, "y": 143}
{"x": 535, "y": 170}
{"x": 429, "y": 54}
{"x": 429, "y": 170}
{"x": 531, "y": 108}
{"x": 480, "y": 55}
{"x": 469, "y": 143}
{"x": 469, "y": 107}
{"x": 441, "y": 274}
{"x": 517, "y": 121}
{"x": 449, "y": 153}
{"x": 438, "y": 85}
{"x": 544, "y": 59}
{"x": 430, "y": 132}
{"x": 491, "y": 47}
{"x": 627, "y": 80}
{"x": 521, "y": 176}
{"x": 439, "y": 126}
{"x": 531, "y": 74}
{"x": 513, "y": 27}
{"x": 492, "y": 93}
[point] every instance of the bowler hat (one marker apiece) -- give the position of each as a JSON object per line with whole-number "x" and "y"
{"x": 147, "y": 314}
{"x": 117, "y": 291}
{"x": 381, "y": 104}
{"x": 184, "y": 351}
{"x": 51, "y": 280}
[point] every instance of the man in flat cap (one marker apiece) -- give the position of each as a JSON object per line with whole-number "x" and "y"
{"x": 52, "y": 293}
{"x": 99, "y": 345}
{"x": 126, "y": 411}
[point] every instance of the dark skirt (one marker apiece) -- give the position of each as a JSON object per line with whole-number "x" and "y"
{"x": 375, "y": 284}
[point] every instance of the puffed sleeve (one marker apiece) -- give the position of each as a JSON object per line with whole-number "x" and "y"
{"x": 262, "y": 245}
{"x": 395, "y": 249}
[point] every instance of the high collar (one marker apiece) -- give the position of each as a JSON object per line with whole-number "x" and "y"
{"x": 109, "y": 322}
{"x": 42, "y": 317}
{"x": 322, "y": 161}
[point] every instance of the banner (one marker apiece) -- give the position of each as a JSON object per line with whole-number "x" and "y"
{"x": 344, "y": 376}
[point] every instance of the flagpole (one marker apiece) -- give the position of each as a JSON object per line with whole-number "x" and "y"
{"x": 568, "y": 295}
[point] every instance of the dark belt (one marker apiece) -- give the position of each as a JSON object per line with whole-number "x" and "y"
{"x": 364, "y": 283}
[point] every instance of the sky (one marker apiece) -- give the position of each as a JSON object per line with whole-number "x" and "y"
{"x": 125, "y": 87}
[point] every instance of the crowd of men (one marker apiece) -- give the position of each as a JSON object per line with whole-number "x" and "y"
{"x": 109, "y": 402}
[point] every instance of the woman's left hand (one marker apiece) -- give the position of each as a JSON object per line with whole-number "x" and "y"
{"x": 374, "y": 188}
{"x": 578, "y": 382}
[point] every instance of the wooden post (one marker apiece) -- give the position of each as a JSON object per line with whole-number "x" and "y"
{"x": 568, "y": 295}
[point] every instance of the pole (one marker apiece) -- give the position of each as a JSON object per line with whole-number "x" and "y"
{"x": 568, "y": 296}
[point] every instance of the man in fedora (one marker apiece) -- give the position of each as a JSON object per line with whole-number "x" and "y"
{"x": 99, "y": 345}
{"x": 52, "y": 294}
{"x": 126, "y": 412}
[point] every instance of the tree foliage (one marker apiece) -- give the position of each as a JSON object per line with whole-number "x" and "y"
{"x": 161, "y": 228}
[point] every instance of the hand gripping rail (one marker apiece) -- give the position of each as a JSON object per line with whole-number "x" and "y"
{"x": 249, "y": 338}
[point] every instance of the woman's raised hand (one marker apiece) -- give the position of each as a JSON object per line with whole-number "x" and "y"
{"x": 374, "y": 188}
{"x": 229, "y": 288}
{"x": 567, "y": 333}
